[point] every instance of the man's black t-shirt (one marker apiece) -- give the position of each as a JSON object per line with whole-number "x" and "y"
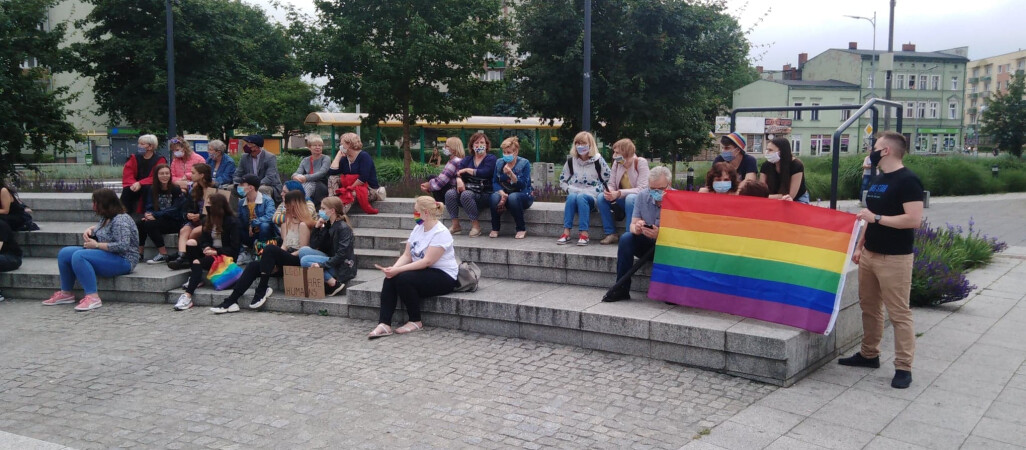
{"x": 748, "y": 165}
{"x": 888, "y": 193}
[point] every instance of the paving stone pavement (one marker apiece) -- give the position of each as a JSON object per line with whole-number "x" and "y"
{"x": 140, "y": 375}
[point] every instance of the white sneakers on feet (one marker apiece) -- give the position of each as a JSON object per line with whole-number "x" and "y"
{"x": 234, "y": 307}
{"x": 257, "y": 303}
{"x": 184, "y": 302}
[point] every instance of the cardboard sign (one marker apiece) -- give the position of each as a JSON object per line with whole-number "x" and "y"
{"x": 304, "y": 282}
{"x": 227, "y": 193}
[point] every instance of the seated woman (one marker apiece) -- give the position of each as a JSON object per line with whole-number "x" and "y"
{"x": 751, "y": 188}
{"x": 137, "y": 176}
{"x": 733, "y": 146}
{"x": 279, "y": 213}
{"x": 629, "y": 177}
{"x": 331, "y": 247}
{"x": 438, "y": 186}
{"x": 583, "y": 178}
{"x": 12, "y": 210}
{"x": 182, "y": 160}
{"x": 222, "y": 166}
{"x": 783, "y": 174}
{"x": 473, "y": 186}
{"x": 296, "y": 221}
{"x": 192, "y": 212}
{"x": 721, "y": 179}
{"x": 10, "y": 252}
{"x": 163, "y": 213}
{"x": 427, "y": 268}
{"x": 512, "y": 185}
{"x": 353, "y": 177}
{"x": 220, "y": 236}
{"x": 111, "y": 248}
{"x": 313, "y": 170}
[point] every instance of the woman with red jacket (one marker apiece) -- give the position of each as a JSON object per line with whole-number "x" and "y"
{"x": 137, "y": 177}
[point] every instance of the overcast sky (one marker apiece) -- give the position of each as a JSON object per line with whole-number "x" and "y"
{"x": 790, "y": 27}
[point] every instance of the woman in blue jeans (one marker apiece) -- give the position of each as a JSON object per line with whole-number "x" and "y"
{"x": 331, "y": 247}
{"x": 582, "y": 178}
{"x": 629, "y": 178}
{"x": 511, "y": 185}
{"x": 111, "y": 248}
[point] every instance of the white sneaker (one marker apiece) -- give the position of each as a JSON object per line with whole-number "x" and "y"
{"x": 184, "y": 302}
{"x": 260, "y": 302}
{"x": 234, "y": 307}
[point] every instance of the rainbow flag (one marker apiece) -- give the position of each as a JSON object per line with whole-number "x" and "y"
{"x": 224, "y": 272}
{"x": 771, "y": 260}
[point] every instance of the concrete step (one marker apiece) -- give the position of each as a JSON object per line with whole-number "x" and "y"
{"x": 39, "y": 278}
{"x": 575, "y": 315}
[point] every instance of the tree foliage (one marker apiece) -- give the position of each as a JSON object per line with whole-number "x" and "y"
{"x": 660, "y": 70}
{"x": 414, "y": 60}
{"x": 222, "y": 49}
{"x": 1005, "y": 117}
{"x": 278, "y": 105}
{"x": 32, "y": 116}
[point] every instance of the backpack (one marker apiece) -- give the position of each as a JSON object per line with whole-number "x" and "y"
{"x": 468, "y": 277}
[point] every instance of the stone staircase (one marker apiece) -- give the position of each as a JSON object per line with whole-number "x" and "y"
{"x": 531, "y": 289}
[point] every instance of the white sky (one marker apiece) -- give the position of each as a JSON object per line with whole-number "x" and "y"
{"x": 790, "y": 27}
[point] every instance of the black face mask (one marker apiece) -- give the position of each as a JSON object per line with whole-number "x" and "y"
{"x": 874, "y": 158}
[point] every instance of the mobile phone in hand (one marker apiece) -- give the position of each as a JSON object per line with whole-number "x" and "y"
{"x": 648, "y": 225}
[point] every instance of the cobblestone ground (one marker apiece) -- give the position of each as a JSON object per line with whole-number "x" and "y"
{"x": 137, "y": 375}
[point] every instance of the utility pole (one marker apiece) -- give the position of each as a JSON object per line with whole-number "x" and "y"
{"x": 172, "y": 125}
{"x": 890, "y": 49}
{"x": 586, "y": 109}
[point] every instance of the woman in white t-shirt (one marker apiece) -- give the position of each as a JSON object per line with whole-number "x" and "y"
{"x": 427, "y": 268}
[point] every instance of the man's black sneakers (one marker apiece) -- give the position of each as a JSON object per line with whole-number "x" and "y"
{"x": 617, "y": 295}
{"x": 902, "y": 379}
{"x": 857, "y": 360}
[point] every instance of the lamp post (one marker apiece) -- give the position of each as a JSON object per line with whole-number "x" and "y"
{"x": 172, "y": 125}
{"x": 873, "y": 64}
{"x": 586, "y": 107}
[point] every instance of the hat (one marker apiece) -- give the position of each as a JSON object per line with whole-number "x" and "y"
{"x": 255, "y": 139}
{"x": 739, "y": 140}
{"x": 251, "y": 180}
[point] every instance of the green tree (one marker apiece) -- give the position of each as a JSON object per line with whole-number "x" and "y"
{"x": 32, "y": 116}
{"x": 1005, "y": 117}
{"x": 281, "y": 104}
{"x": 221, "y": 50}
{"x": 416, "y": 60}
{"x": 660, "y": 70}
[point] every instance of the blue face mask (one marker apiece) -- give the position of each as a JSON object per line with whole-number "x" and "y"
{"x": 141, "y": 150}
{"x": 721, "y": 186}
{"x": 727, "y": 155}
{"x": 240, "y": 191}
{"x": 583, "y": 149}
{"x": 657, "y": 194}
{"x": 508, "y": 158}
{"x": 323, "y": 215}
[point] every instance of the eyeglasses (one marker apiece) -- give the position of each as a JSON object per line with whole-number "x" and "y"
{"x": 175, "y": 141}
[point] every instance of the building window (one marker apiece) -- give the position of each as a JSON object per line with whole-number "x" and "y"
{"x": 976, "y": 72}
{"x": 871, "y": 81}
{"x": 934, "y": 106}
{"x": 1001, "y": 69}
{"x": 910, "y": 109}
{"x": 986, "y": 87}
{"x": 900, "y": 81}
{"x": 952, "y": 110}
{"x": 972, "y": 103}
{"x": 935, "y": 82}
{"x": 797, "y": 114}
{"x": 796, "y": 144}
{"x": 922, "y": 82}
{"x": 949, "y": 142}
{"x": 820, "y": 144}
{"x": 814, "y": 113}
{"x": 911, "y": 81}
{"x": 921, "y": 112}
{"x": 1022, "y": 64}
{"x": 954, "y": 83}
{"x": 986, "y": 70}
{"x": 844, "y": 143}
{"x": 845, "y": 113}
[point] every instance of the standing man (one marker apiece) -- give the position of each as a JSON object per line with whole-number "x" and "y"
{"x": 894, "y": 209}
{"x": 259, "y": 162}
{"x": 642, "y": 232}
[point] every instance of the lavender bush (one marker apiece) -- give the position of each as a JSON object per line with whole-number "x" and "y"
{"x": 942, "y": 256}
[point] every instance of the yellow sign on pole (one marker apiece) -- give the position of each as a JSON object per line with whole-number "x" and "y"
{"x": 869, "y": 129}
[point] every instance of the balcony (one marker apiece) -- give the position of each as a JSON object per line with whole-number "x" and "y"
{"x": 973, "y": 80}
{"x": 974, "y": 95}
{"x": 985, "y": 78}
{"x": 971, "y": 111}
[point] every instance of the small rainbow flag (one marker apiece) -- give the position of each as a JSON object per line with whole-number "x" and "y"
{"x": 772, "y": 260}
{"x": 224, "y": 272}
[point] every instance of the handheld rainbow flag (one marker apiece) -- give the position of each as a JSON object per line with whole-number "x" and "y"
{"x": 224, "y": 272}
{"x": 771, "y": 260}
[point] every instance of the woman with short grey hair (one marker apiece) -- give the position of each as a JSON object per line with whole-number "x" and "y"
{"x": 222, "y": 167}
{"x": 137, "y": 176}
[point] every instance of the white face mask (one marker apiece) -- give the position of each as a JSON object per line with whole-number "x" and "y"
{"x": 179, "y": 154}
{"x": 445, "y": 151}
{"x": 773, "y": 157}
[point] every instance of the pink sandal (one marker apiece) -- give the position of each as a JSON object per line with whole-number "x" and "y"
{"x": 410, "y": 327}
{"x": 380, "y": 331}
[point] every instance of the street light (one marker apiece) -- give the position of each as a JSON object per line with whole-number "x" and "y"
{"x": 171, "y": 119}
{"x": 871, "y": 21}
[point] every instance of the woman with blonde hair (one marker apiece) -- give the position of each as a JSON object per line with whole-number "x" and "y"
{"x": 331, "y": 247}
{"x": 313, "y": 170}
{"x": 629, "y": 178}
{"x": 182, "y": 160}
{"x": 439, "y": 185}
{"x": 427, "y": 268}
{"x": 352, "y": 175}
{"x": 583, "y": 178}
{"x": 512, "y": 188}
